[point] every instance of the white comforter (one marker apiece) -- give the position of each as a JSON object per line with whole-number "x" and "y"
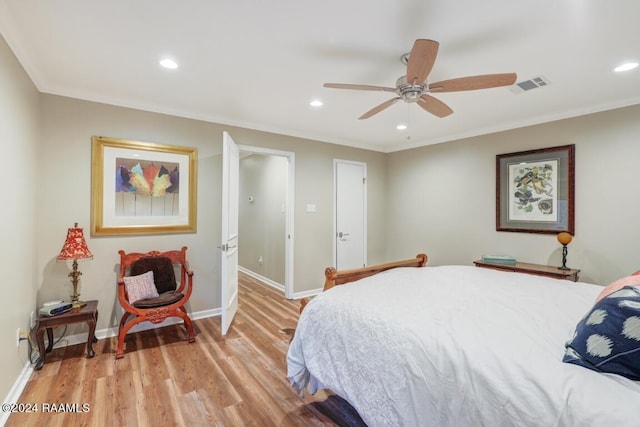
{"x": 457, "y": 346}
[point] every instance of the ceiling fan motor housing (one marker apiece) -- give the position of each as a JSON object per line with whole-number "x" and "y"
{"x": 410, "y": 92}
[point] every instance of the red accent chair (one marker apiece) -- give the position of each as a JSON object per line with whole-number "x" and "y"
{"x": 171, "y": 297}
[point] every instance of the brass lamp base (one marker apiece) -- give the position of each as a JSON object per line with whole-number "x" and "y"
{"x": 77, "y": 303}
{"x": 75, "y": 297}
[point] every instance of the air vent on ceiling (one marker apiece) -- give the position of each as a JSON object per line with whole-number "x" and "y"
{"x": 530, "y": 84}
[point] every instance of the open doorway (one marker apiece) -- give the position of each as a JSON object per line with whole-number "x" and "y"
{"x": 265, "y": 216}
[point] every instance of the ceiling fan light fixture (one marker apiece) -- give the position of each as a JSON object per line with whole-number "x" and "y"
{"x": 626, "y": 67}
{"x": 410, "y": 92}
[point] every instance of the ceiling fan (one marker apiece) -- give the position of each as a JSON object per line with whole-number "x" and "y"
{"x": 414, "y": 87}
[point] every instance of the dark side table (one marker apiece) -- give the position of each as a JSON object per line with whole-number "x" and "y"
{"x": 88, "y": 313}
{"x": 535, "y": 269}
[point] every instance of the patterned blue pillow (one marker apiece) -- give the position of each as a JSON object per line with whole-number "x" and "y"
{"x": 607, "y": 339}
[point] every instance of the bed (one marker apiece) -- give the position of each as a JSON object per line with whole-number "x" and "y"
{"x": 456, "y": 346}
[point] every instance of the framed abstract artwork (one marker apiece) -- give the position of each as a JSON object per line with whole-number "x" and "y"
{"x": 142, "y": 188}
{"x": 535, "y": 190}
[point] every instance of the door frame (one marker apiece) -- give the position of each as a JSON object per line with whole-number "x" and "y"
{"x": 335, "y": 208}
{"x": 289, "y": 212}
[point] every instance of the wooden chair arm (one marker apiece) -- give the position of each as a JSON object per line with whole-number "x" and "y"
{"x": 187, "y": 269}
{"x": 186, "y": 278}
{"x": 186, "y": 284}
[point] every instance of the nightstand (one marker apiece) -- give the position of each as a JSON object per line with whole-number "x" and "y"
{"x": 88, "y": 313}
{"x": 535, "y": 269}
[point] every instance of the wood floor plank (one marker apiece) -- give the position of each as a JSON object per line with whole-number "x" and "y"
{"x": 160, "y": 404}
{"x": 233, "y": 380}
{"x": 192, "y": 410}
{"x": 239, "y": 415}
{"x": 220, "y": 389}
{"x": 137, "y": 392}
{"x": 213, "y": 412}
{"x": 104, "y": 393}
{"x": 125, "y": 408}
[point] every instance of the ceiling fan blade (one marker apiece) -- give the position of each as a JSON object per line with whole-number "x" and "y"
{"x": 359, "y": 87}
{"x": 474, "y": 82}
{"x": 377, "y": 109}
{"x": 421, "y": 60}
{"x": 434, "y": 106}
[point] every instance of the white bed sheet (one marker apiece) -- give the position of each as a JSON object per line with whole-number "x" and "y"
{"x": 457, "y": 346}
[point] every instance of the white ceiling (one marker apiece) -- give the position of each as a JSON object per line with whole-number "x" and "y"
{"x": 257, "y": 64}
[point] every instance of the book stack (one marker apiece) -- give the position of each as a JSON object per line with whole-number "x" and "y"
{"x": 498, "y": 259}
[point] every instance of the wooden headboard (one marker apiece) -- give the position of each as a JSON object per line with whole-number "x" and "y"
{"x": 334, "y": 277}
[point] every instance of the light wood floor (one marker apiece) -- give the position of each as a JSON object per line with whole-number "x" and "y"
{"x": 237, "y": 380}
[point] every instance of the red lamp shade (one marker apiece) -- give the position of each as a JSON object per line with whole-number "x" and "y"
{"x": 75, "y": 246}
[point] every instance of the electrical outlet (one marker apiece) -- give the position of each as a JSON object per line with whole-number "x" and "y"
{"x": 21, "y": 336}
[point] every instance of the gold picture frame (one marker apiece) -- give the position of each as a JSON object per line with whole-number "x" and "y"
{"x": 140, "y": 188}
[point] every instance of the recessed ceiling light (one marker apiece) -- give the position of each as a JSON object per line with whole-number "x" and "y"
{"x": 169, "y": 63}
{"x": 401, "y": 126}
{"x": 626, "y": 67}
{"x": 316, "y": 103}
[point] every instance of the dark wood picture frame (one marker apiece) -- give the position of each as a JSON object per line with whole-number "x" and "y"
{"x": 535, "y": 190}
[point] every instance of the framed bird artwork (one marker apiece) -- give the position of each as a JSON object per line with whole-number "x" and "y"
{"x": 535, "y": 190}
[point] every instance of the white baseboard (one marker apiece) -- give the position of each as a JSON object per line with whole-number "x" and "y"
{"x": 16, "y": 390}
{"x": 306, "y": 294}
{"x": 145, "y": 326}
{"x": 278, "y": 286}
{"x": 261, "y": 278}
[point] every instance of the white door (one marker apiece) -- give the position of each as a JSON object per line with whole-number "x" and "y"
{"x": 229, "y": 234}
{"x": 350, "y": 189}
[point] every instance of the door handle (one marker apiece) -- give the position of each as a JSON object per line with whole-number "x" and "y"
{"x": 225, "y": 247}
{"x": 341, "y": 234}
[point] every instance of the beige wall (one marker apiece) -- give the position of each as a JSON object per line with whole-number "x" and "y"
{"x": 65, "y": 167}
{"x": 19, "y": 124}
{"x": 442, "y": 197}
{"x": 262, "y": 221}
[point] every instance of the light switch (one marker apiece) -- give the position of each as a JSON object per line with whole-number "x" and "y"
{"x": 311, "y": 207}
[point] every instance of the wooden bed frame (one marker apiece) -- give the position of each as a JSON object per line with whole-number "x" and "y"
{"x": 334, "y": 277}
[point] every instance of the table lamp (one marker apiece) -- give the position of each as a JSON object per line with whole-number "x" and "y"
{"x": 564, "y": 238}
{"x": 75, "y": 248}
